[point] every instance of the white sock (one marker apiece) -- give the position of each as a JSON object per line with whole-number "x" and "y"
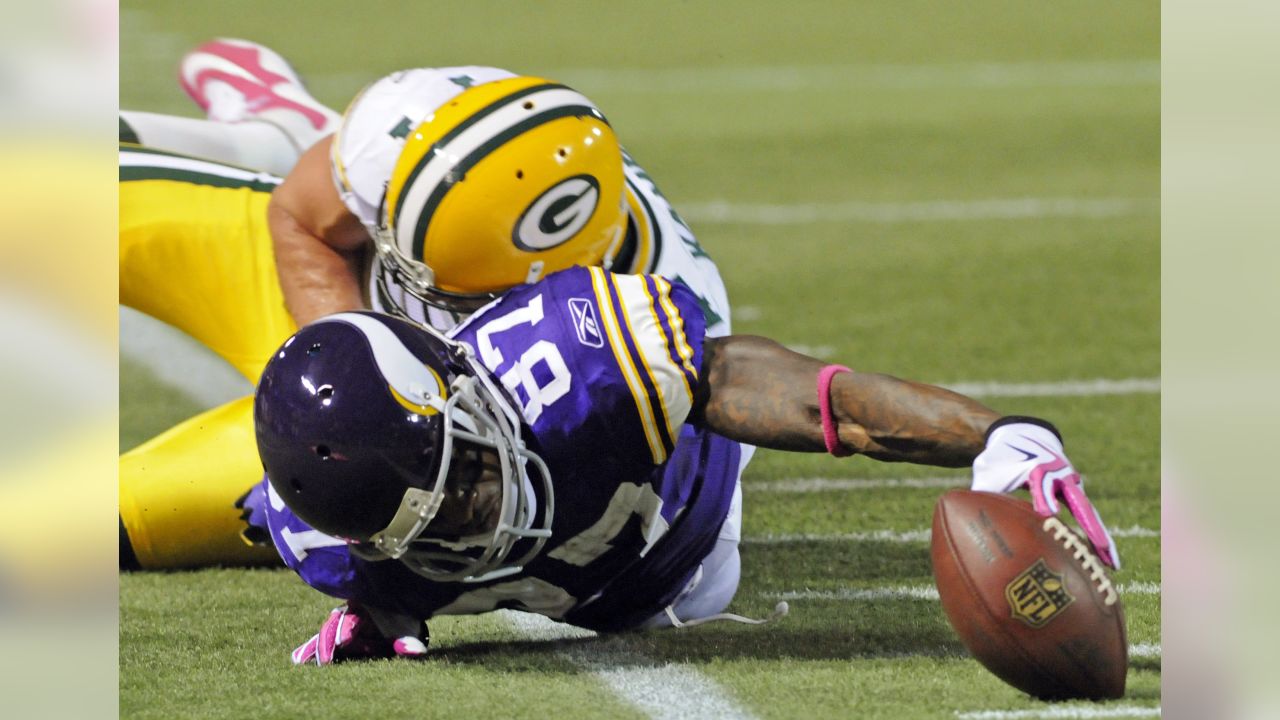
{"x": 255, "y": 144}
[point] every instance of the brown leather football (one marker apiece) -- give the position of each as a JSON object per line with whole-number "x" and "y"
{"x": 1028, "y": 597}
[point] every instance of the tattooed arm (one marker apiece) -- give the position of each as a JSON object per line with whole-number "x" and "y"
{"x": 756, "y": 391}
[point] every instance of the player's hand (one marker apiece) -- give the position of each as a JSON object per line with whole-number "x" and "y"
{"x": 253, "y": 513}
{"x": 1025, "y": 452}
{"x": 349, "y": 634}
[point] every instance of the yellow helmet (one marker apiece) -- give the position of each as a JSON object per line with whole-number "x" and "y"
{"x": 508, "y": 181}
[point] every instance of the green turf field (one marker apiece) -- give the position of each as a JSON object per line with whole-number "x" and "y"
{"x": 953, "y": 192}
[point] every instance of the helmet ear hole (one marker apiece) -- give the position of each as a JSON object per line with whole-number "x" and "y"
{"x": 296, "y": 485}
{"x": 324, "y": 452}
{"x": 315, "y": 348}
{"x": 519, "y": 174}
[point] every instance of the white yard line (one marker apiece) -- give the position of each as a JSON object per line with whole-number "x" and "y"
{"x": 1068, "y": 388}
{"x": 663, "y": 691}
{"x": 1145, "y": 650}
{"x": 163, "y": 49}
{"x": 821, "y": 352}
{"x": 1083, "y": 712}
{"x": 667, "y": 692}
{"x": 913, "y": 592}
{"x": 1139, "y": 588}
{"x": 908, "y": 536}
{"x": 920, "y": 535}
{"x": 888, "y": 592}
{"x": 825, "y": 77}
{"x": 740, "y": 213}
{"x": 179, "y": 361}
{"x": 808, "y": 485}
{"x": 737, "y": 79}
{"x": 775, "y": 79}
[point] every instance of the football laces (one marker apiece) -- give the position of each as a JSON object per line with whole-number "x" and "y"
{"x": 1079, "y": 549}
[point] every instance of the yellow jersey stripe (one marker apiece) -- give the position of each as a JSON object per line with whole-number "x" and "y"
{"x": 604, "y": 302}
{"x": 673, "y": 389}
{"x": 628, "y": 288}
{"x": 677, "y": 326}
{"x": 657, "y": 319}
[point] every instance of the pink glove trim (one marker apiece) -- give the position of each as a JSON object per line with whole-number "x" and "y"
{"x": 306, "y": 651}
{"x": 829, "y": 434}
{"x": 1087, "y": 515}
{"x": 1043, "y": 496}
{"x": 328, "y": 642}
{"x": 336, "y": 632}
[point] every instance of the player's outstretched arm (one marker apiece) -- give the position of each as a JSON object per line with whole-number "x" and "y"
{"x": 757, "y": 391}
{"x": 317, "y": 241}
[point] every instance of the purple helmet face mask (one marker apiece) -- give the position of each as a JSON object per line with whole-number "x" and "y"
{"x": 358, "y": 417}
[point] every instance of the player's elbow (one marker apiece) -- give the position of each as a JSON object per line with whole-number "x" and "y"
{"x": 755, "y": 390}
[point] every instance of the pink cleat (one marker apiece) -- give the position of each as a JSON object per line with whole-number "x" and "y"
{"x": 237, "y": 80}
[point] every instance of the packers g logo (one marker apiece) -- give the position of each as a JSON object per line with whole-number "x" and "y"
{"x": 1037, "y": 595}
{"x": 558, "y": 214}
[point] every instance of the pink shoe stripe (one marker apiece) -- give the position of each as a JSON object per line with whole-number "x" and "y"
{"x": 245, "y": 57}
{"x": 259, "y": 95}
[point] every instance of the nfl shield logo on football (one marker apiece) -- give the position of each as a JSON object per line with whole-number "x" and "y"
{"x": 1037, "y": 595}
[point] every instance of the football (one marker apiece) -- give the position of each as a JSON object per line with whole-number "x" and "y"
{"x": 1028, "y": 598}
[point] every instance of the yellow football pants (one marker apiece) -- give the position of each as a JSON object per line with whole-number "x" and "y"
{"x": 195, "y": 252}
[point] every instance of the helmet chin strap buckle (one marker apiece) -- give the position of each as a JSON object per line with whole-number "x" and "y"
{"x": 417, "y": 508}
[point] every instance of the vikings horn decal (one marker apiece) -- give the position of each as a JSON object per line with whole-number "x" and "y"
{"x": 558, "y": 214}
{"x": 413, "y": 384}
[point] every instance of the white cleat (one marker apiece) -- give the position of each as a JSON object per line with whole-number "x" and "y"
{"x": 240, "y": 81}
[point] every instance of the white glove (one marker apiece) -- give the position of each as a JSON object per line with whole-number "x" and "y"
{"x": 1027, "y": 452}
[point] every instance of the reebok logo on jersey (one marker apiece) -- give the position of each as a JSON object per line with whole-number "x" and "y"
{"x": 584, "y": 321}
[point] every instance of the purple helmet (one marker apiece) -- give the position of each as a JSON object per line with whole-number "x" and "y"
{"x": 359, "y": 419}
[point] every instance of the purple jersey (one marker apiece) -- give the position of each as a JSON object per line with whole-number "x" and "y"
{"x": 602, "y": 368}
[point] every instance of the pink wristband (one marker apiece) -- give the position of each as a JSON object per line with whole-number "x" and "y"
{"x": 829, "y": 434}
